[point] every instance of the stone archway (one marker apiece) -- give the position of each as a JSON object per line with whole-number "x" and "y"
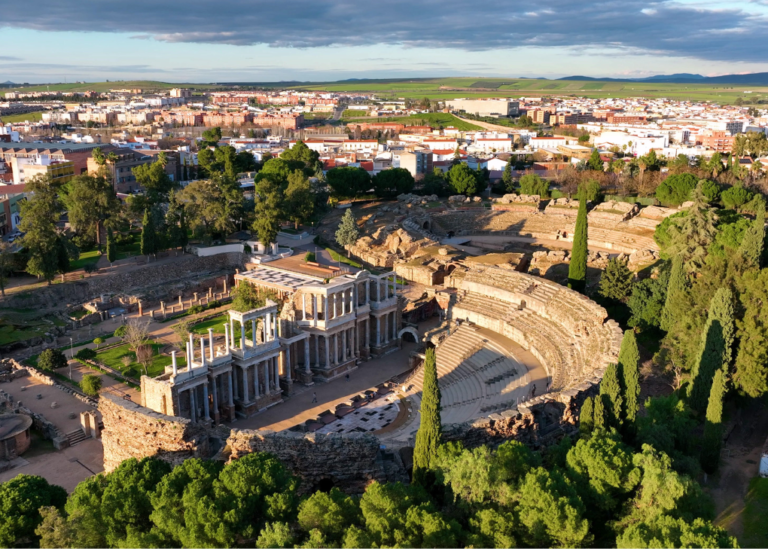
{"x": 410, "y": 331}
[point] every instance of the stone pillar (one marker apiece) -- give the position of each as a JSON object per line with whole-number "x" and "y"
{"x": 210, "y": 344}
{"x": 356, "y": 339}
{"x": 327, "y": 352}
{"x": 214, "y": 392}
{"x": 378, "y": 289}
{"x": 344, "y": 345}
{"x": 317, "y": 349}
{"x": 266, "y": 376}
{"x": 192, "y": 405}
{"x": 173, "y": 361}
{"x": 226, "y": 338}
{"x": 325, "y": 308}
{"x": 268, "y": 329}
{"x": 234, "y": 382}
{"x": 336, "y": 339}
{"x": 242, "y": 335}
{"x": 303, "y": 306}
{"x": 273, "y": 360}
{"x": 205, "y": 400}
{"x": 315, "y": 315}
{"x": 306, "y": 355}
{"x": 287, "y": 364}
{"x": 253, "y": 332}
{"x": 195, "y": 300}
{"x": 343, "y": 302}
{"x": 162, "y": 308}
{"x": 367, "y": 291}
{"x": 378, "y": 331}
{"x": 368, "y": 334}
{"x": 191, "y": 351}
{"x": 181, "y": 303}
{"x": 231, "y": 391}
{"x": 225, "y": 286}
{"x": 210, "y": 292}
{"x": 245, "y": 386}
{"x": 202, "y": 351}
{"x": 256, "y": 381}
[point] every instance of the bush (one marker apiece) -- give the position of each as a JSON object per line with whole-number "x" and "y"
{"x": 246, "y": 249}
{"x": 533, "y": 184}
{"x": 85, "y": 354}
{"x": 710, "y": 190}
{"x": 215, "y": 304}
{"x": 91, "y": 384}
{"x": 120, "y": 332}
{"x": 736, "y": 197}
{"x": 195, "y": 309}
{"x": 309, "y": 257}
{"x": 676, "y": 189}
{"x": 51, "y": 359}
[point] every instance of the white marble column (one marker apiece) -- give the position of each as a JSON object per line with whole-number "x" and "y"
{"x": 367, "y": 292}
{"x": 368, "y": 333}
{"x": 306, "y": 355}
{"x": 231, "y": 391}
{"x": 232, "y": 333}
{"x": 287, "y": 364}
{"x": 325, "y": 307}
{"x": 327, "y": 351}
{"x": 245, "y": 386}
{"x": 205, "y": 401}
{"x": 256, "y": 381}
{"x": 270, "y": 334}
{"x": 192, "y": 405}
{"x": 253, "y": 332}
{"x": 266, "y": 376}
{"x": 226, "y": 338}
{"x": 317, "y": 349}
{"x": 210, "y": 344}
{"x": 242, "y": 335}
{"x": 378, "y": 330}
{"x": 277, "y": 373}
{"x": 202, "y": 351}
{"x": 303, "y": 306}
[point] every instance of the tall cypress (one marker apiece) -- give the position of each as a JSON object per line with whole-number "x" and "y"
{"x": 751, "y": 248}
{"x": 675, "y": 287}
{"x": 430, "y": 429}
{"x": 629, "y": 358}
{"x": 610, "y": 393}
{"x": 598, "y": 414}
{"x": 148, "y": 235}
{"x": 111, "y": 251}
{"x": 586, "y": 417}
{"x": 577, "y": 270}
{"x": 713, "y": 431}
{"x": 716, "y": 348}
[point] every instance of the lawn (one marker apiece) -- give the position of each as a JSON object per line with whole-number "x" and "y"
{"x": 86, "y": 258}
{"x": 28, "y": 117}
{"x": 433, "y": 119}
{"x": 342, "y": 259}
{"x": 113, "y": 358}
{"x": 131, "y": 248}
{"x": 755, "y": 513}
{"x": 217, "y": 323}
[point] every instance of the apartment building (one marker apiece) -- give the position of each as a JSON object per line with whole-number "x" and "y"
{"x": 716, "y": 140}
{"x": 416, "y": 162}
{"x": 27, "y": 168}
{"x": 120, "y": 171}
{"x": 485, "y": 107}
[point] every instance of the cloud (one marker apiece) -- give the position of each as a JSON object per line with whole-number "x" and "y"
{"x": 9, "y": 58}
{"x": 635, "y": 26}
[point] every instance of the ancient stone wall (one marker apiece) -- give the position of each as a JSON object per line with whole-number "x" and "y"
{"x": 131, "y": 430}
{"x": 150, "y": 281}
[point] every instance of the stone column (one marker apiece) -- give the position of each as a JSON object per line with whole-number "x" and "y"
{"x": 344, "y": 345}
{"x": 256, "y": 381}
{"x": 192, "y": 405}
{"x": 242, "y": 335}
{"x": 288, "y": 362}
{"x": 277, "y": 374}
{"x": 268, "y": 332}
{"x": 202, "y": 351}
{"x": 378, "y": 331}
{"x": 343, "y": 295}
{"x": 378, "y": 289}
{"x": 210, "y": 344}
{"x": 275, "y": 327}
{"x": 214, "y": 392}
{"x": 306, "y": 355}
{"x": 368, "y": 333}
{"x": 205, "y": 401}
{"x": 325, "y": 307}
{"x": 231, "y": 391}
{"x": 233, "y": 381}
{"x": 356, "y": 339}
{"x": 303, "y": 306}
{"x": 191, "y": 351}
{"x": 181, "y": 303}
{"x": 367, "y": 291}
{"x": 226, "y": 338}
{"x": 232, "y": 332}
{"x": 317, "y": 349}
{"x": 253, "y": 332}
{"x": 173, "y": 363}
{"x": 245, "y": 386}
{"x": 266, "y": 376}
{"x": 327, "y": 352}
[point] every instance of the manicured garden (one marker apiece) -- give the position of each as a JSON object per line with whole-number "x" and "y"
{"x": 86, "y": 258}
{"x": 114, "y": 358}
{"x": 217, "y": 323}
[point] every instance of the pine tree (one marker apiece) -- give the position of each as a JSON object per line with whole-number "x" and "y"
{"x": 675, "y": 288}
{"x": 752, "y": 244}
{"x": 610, "y": 392}
{"x": 598, "y": 414}
{"x": 111, "y": 251}
{"x": 692, "y": 234}
{"x": 713, "y": 433}
{"x": 347, "y": 233}
{"x": 430, "y": 429}
{"x": 716, "y": 348}
{"x": 586, "y": 417}
{"x": 577, "y": 270}
{"x": 148, "y": 235}
{"x": 183, "y": 235}
{"x": 616, "y": 281}
{"x": 506, "y": 177}
{"x": 629, "y": 359}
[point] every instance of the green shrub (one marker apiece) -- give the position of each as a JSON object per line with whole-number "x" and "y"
{"x": 676, "y": 189}
{"x": 91, "y": 384}
{"x": 215, "y": 304}
{"x": 120, "y": 332}
{"x": 309, "y": 257}
{"x": 533, "y": 184}
{"x": 85, "y": 354}
{"x": 195, "y": 309}
{"x": 51, "y": 359}
{"x": 736, "y": 197}
{"x": 710, "y": 190}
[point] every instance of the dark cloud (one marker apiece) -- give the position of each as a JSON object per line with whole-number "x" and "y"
{"x": 668, "y": 28}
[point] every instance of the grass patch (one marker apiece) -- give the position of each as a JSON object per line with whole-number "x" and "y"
{"x": 28, "y": 117}
{"x": 336, "y": 256}
{"x": 217, "y": 323}
{"x": 86, "y": 258}
{"x": 77, "y": 315}
{"x": 10, "y": 333}
{"x": 755, "y": 531}
{"x": 433, "y": 119}
{"x": 114, "y": 359}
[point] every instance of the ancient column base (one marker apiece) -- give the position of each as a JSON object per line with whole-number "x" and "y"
{"x": 306, "y": 378}
{"x": 286, "y": 385}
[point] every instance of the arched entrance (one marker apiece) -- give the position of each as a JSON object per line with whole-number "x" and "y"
{"x": 412, "y": 333}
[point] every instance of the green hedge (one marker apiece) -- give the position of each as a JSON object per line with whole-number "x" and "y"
{"x": 643, "y": 201}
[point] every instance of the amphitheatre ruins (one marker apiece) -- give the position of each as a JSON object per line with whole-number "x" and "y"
{"x": 517, "y": 352}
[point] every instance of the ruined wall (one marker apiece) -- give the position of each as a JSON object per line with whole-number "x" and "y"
{"x": 133, "y": 431}
{"x": 150, "y": 280}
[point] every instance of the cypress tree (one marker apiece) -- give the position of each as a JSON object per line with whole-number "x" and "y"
{"x": 751, "y": 248}
{"x": 183, "y": 236}
{"x": 586, "y": 417}
{"x": 598, "y": 414}
{"x": 430, "y": 429}
{"x": 713, "y": 433}
{"x": 111, "y": 251}
{"x": 675, "y": 288}
{"x": 577, "y": 270}
{"x": 629, "y": 358}
{"x": 148, "y": 236}
{"x": 716, "y": 348}
{"x": 610, "y": 393}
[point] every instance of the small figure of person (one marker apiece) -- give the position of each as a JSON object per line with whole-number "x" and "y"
{"x": 533, "y": 391}
{"x": 314, "y": 398}
{"x": 347, "y": 376}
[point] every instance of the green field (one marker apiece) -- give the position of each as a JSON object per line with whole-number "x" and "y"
{"x": 217, "y": 323}
{"x": 755, "y": 531}
{"x": 28, "y": 117}
{"x": 433, "y": 119}
{"x": 86, "y": 258}
{"x": 113, "y": 358}
{"x": 146, "y": 85}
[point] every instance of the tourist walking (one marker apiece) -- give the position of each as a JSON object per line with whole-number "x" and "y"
{"x": 314, "y": 398}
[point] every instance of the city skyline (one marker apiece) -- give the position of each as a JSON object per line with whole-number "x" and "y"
{"x": 323, "y": 41}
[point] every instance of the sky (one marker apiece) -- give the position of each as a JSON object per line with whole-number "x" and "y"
{"x": 325, "y": 40}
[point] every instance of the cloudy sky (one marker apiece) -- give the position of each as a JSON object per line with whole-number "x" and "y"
{"x": 271, "y": 40}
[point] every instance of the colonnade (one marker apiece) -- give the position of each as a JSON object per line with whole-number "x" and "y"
{"x": 266, "y": 331}
{"x": 257, "y": 380}
{"x": 211, "y": 400}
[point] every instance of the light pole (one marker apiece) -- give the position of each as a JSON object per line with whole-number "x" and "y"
{"x": 71, "y": 358}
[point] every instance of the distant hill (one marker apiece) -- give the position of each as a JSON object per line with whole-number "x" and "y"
{"x": 757, "y": 78}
